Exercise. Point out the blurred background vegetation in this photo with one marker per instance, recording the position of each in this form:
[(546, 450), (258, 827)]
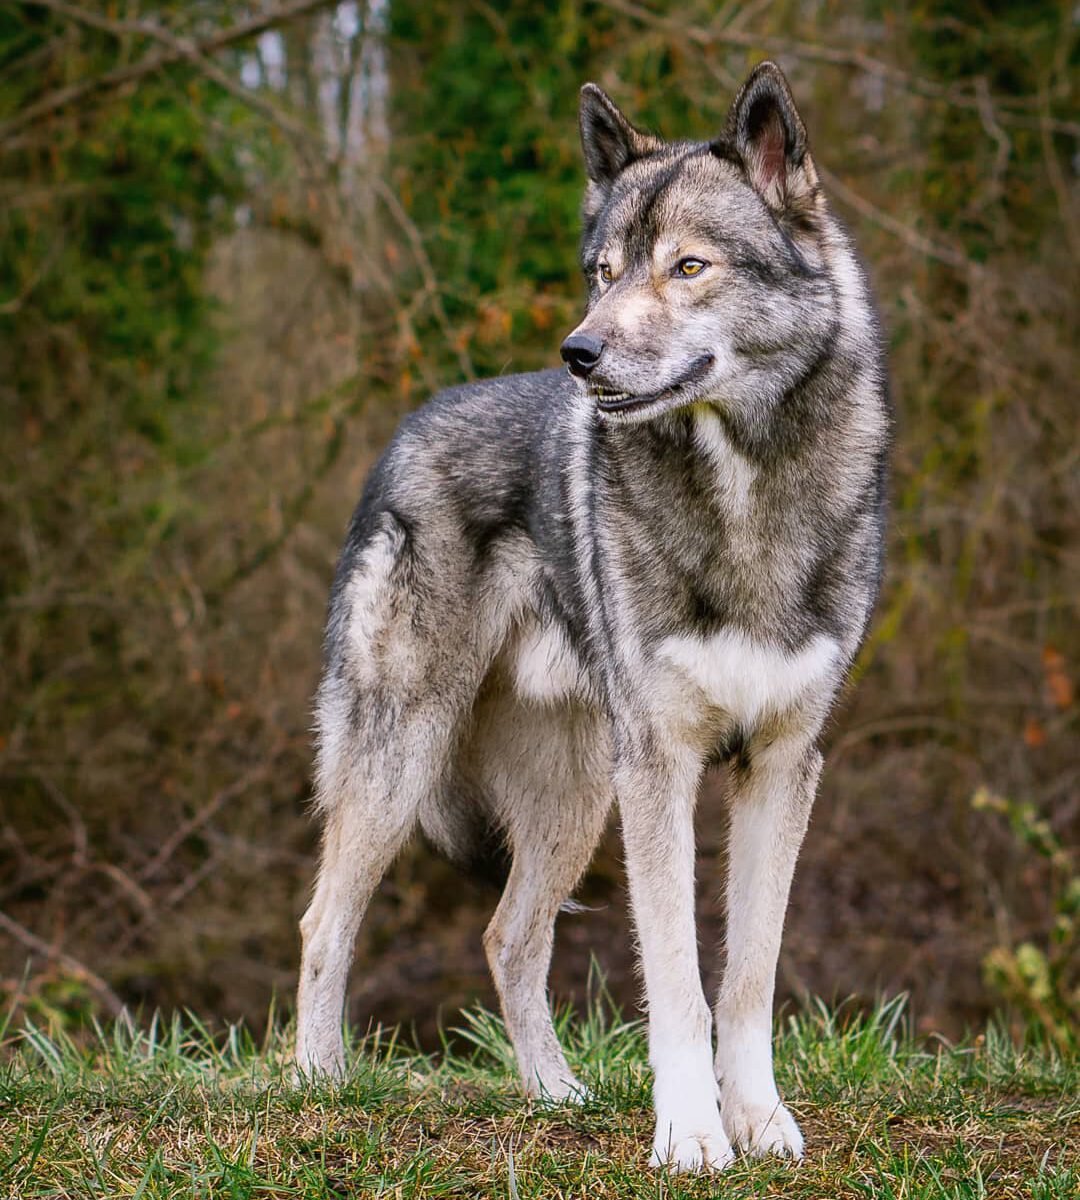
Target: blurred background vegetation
[(239, 240)]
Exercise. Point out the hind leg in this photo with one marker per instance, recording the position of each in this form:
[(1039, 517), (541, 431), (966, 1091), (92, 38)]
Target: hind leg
[(400, 676), (372, 802), (357, 849), (547, 772)]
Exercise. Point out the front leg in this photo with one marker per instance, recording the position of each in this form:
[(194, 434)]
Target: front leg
[(656, 803), (770, 806)]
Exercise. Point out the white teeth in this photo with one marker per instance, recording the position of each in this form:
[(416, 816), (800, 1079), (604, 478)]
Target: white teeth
[(603, 393)]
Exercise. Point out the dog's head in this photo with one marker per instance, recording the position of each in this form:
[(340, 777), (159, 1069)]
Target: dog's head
[(704, 260)]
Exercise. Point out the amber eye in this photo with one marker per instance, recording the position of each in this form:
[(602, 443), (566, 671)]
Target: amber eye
[(604, 271), (687, 267)]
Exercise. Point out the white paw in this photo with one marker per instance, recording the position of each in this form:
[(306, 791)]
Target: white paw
[(689, 1133), (691, 1149), (762, 1128)]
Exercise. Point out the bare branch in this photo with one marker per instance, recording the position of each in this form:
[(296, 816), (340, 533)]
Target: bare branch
[(214, 805), (987, 114), (193, 52), (40, 271), (174, 50), (77, 969), (1066, 205), (917, 241), (431, 283), (915, 84)]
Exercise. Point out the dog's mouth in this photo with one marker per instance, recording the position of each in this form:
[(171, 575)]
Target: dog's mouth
[(610, 400)]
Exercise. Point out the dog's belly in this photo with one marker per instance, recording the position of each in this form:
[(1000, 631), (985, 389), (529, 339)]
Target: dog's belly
[(746, 680)]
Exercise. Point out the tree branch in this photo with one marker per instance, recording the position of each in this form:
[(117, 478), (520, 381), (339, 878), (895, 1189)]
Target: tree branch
[(77, 969), (917, 241), (916, 84), (175, 49)]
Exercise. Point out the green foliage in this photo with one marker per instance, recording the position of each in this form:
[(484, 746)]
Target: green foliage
[(493, 136), (132, 279), (1041, 982), (986, 196), (121, 210), (110, 212), (486, 160), (106, 325)]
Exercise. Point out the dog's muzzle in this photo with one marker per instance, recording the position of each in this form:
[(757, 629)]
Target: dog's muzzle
[(611, 401)]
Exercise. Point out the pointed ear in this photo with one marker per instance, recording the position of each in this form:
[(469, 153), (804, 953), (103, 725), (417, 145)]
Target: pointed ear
[(768, 135), (610, 143)]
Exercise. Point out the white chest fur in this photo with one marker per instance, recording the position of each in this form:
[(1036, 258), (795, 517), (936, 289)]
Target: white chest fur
[(747, 679)]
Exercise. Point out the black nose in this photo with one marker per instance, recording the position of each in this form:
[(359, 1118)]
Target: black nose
[(581, 353)]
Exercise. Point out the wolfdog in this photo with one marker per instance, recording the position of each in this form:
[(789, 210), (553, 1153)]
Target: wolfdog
[(564, 591)]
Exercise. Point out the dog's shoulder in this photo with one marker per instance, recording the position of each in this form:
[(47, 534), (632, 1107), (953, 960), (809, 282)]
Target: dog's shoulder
[(469, 461)]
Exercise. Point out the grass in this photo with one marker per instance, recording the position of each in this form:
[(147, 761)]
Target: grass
[(171, 1110)]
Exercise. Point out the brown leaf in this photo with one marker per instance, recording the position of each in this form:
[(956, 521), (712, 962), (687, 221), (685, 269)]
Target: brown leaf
[(1058, 682), (1034, 734)]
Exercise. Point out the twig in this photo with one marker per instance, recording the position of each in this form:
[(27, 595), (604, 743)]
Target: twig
[(1065, 204), (40, 271), (878, 216), (77, 969), (988, 116), (80, 839), (916, 84), (183, 48), (431, 282), (58, 600), (154, 915), (294, 511), (194, 823), (127, 885), (174, 50)]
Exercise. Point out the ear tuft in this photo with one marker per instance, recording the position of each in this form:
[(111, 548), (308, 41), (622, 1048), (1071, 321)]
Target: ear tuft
[(766, 132), (609, 141)]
